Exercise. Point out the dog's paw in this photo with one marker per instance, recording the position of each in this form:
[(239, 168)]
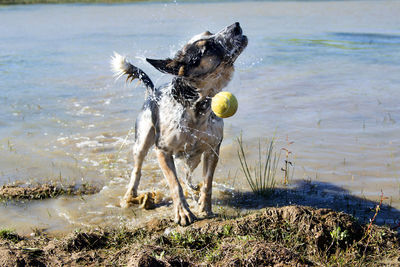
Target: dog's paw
[(205, 213), (183, 215), (146, 201), (125, 203), (128, 199), (205, 206)]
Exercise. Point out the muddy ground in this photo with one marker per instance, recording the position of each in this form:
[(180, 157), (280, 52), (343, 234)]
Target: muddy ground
[(285, 236), (18, 191)]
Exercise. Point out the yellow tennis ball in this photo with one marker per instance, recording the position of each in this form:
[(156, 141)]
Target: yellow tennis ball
[(224, 104)]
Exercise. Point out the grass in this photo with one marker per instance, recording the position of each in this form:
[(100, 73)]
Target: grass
[(9, 234), (260, 175), (288, 168)]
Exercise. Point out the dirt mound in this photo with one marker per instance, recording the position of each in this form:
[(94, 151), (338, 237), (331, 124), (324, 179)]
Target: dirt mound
[(145, 259), (80, 240), (259, 253), (15, 257), (287, 236)]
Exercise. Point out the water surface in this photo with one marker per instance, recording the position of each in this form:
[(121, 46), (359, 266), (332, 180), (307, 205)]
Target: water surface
[(322, 74)]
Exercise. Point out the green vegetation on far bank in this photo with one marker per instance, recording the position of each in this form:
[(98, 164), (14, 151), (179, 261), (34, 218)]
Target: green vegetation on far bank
[(27, 2)]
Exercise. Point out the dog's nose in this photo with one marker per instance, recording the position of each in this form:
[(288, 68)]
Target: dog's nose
[(235, 28), (238, 30)]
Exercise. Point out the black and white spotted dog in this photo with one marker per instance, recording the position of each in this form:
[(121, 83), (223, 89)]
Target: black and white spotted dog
[(177, 118)]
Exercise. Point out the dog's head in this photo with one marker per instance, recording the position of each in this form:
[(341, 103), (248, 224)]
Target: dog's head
[(206, 61)]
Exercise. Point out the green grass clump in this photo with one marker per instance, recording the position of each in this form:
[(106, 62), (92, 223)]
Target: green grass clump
[(260, 175), (9, 234)]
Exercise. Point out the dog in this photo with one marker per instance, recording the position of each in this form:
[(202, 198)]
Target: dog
[(177, 118)]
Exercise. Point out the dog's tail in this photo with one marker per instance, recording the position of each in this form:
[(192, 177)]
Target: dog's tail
[(121, 66)]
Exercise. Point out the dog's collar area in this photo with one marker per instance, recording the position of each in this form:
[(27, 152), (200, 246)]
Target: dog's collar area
[(188, 96), (184, 93)]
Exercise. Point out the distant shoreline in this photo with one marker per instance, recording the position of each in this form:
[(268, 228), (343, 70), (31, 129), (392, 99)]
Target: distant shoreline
[(29, 2)]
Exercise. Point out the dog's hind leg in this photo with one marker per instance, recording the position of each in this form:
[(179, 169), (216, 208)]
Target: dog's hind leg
[(145, 137), (191, 164), (210, 163), (183, 215)]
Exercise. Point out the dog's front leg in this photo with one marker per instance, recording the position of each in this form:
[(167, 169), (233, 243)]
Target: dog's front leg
[(210, 163), (145, 136), (183, 215)]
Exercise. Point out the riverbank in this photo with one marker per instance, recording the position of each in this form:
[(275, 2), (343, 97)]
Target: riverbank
[(286, 236)]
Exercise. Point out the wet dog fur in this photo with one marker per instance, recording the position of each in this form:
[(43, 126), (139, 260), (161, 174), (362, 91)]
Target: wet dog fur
[(177, 118)]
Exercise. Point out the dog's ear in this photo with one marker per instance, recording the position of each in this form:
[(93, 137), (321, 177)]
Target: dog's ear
[(167, 66)]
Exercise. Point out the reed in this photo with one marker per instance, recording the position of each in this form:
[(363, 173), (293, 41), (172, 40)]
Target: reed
[(261, 174), (288, 169)]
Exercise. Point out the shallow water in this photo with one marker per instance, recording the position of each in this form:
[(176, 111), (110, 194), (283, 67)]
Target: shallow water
[(322, 74)]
